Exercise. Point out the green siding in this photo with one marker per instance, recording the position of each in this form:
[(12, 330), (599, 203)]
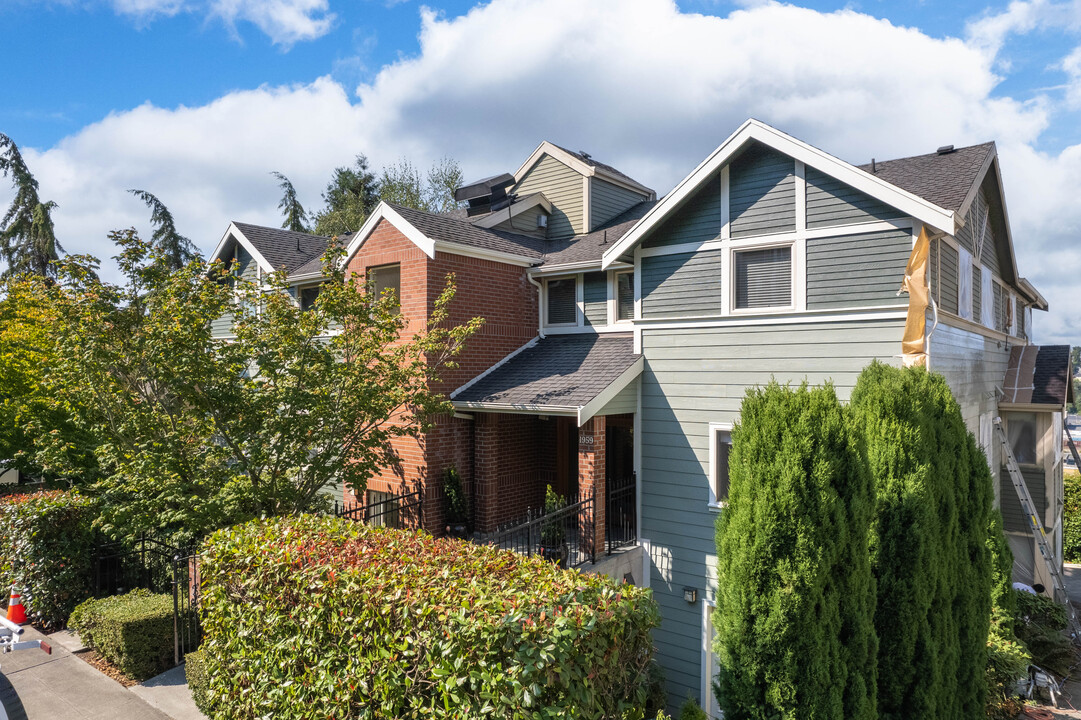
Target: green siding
[(948, 277), (244, 265), (1000, 307), (563, 187), (607, 200), (695, 376), (762, 192), (855, 270), (977, 213), (222, 327), (682, 285), (831, 202), (595, 298), (524, 223), (625, 401), (1013, 517), (699, 220)]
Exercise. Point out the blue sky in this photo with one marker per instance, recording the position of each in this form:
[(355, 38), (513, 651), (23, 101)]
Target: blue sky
[(198, 100)]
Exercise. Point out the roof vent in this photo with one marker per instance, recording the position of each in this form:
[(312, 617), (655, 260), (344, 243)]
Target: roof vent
[(485, 195), (945, 150), (585, 155)]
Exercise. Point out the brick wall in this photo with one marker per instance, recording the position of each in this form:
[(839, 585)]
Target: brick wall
[(499, 293), (591, 473)]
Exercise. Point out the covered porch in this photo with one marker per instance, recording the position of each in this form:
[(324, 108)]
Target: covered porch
[(560, 413)]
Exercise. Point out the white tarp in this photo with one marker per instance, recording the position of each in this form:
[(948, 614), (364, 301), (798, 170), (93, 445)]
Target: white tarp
[(987, 299), (964, 283)]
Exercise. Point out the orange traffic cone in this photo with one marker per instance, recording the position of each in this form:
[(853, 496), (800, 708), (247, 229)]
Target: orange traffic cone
[(16, 612)]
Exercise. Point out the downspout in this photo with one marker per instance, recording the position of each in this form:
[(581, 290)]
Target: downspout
[(540, 308)]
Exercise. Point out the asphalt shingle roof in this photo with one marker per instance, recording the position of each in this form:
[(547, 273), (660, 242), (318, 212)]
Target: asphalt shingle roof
[(591, 246), (1038, 375), (559, 371), (449, 229), (941, 179), (588, 160), (284, 248)]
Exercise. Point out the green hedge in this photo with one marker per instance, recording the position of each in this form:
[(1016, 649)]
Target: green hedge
[(46, 549), (929, 545), (132, 631), (321, 617), (795, 594), (1071, 522), (195, 674)]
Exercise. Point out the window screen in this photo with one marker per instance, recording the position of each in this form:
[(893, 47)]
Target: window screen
[(562, 307), (625, 296), (1021, 431), (386, 277), (764, 278), (722, 448)]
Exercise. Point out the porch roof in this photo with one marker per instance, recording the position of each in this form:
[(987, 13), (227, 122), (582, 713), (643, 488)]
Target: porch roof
[(1038, 375), (557, 375)]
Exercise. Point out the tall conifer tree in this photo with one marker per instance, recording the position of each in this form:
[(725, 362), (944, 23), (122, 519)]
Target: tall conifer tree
[(27, 238), (296, 219), (178, 250)]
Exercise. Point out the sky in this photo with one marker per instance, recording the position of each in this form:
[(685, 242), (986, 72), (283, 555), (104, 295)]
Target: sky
[(198, 101)]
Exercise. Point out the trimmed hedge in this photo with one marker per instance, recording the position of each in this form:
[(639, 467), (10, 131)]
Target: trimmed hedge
[(1071, 521), (325, 618), (46, 549), (795, 594), (195, 674), (132, 631), (929, 545)]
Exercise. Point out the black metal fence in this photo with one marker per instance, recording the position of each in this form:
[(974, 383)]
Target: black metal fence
[(565, 536), (397, 511), (187, 632), (621, 514)]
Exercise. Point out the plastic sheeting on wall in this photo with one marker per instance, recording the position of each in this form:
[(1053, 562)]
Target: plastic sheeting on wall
[(913, 350)]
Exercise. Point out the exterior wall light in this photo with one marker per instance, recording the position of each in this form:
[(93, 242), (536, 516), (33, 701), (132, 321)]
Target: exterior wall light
[(690, 594)]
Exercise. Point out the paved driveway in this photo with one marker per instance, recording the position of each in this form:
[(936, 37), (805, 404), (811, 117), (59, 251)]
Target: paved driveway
[(36, 686)]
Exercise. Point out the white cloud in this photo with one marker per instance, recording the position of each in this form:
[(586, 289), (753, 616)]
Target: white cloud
[(1071, 65), (635, 82), (285, 22)]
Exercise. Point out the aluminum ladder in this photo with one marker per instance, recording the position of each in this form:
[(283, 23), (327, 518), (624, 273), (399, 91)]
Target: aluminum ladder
[(1029, 510)]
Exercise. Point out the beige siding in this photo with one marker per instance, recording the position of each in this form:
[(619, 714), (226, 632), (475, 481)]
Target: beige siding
[(607, 200), (564, 188), (524, 223)]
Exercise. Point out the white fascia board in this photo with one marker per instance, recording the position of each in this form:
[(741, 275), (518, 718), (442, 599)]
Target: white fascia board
[(595, 405), (562, 410), (495, 367), (493, 219), (484, 254), (386, 212), (234, 232), (587, 170), (584, 265), (306, 277), (903, 200)]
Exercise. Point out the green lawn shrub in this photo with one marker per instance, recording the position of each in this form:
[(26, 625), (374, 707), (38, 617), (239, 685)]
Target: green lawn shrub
[(795, 598), (46, 549), (1071, 521), (132, 631), (1040, 623), (195, 674), (928, 545), (690, 710), (1007, 657), (315, 617)]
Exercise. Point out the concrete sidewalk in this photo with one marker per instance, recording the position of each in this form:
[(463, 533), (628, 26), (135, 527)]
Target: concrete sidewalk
[(1071, 578), (169, 693), (36, 686)]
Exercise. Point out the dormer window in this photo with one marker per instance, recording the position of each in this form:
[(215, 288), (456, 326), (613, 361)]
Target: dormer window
[(561, 304)]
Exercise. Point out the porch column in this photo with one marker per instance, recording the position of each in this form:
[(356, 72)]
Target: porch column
[(591, 472), (485, 469)]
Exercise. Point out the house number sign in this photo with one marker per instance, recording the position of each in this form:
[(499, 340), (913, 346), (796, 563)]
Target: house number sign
[(585, 439)]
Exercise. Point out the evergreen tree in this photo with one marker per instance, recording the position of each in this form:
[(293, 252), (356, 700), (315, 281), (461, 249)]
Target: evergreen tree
[(350, 197), (27, 238), (295, 217), (929, 545), (177, 249), (795, 593)]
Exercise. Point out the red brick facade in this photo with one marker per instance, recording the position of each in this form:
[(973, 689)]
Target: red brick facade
[(498, 292)]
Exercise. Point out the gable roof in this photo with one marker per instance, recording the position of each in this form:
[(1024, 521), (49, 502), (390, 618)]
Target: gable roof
[(591, 246), (273, 248), (754, 130), (945, 179), (583, 164), (561, 375), (1038, 375)]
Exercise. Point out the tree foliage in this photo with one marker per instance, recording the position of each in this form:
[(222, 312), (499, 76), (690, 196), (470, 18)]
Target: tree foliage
[(350, 197), (177, 249), (403, 184), (795, 594), (929, 545), (28, 241), (295, 218), (197, 433)]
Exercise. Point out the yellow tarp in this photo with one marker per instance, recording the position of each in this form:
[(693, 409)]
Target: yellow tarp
[(913, 351)]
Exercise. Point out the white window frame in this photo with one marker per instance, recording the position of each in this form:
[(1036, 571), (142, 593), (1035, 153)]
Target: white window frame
[(298, 289), (736, 246), (613, 297), (579, 302), (714, 428)]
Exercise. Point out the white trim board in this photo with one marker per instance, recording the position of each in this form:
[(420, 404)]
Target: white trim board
[(605, 396), (234, 232), (586, 170), (502, 215), (907, 202)]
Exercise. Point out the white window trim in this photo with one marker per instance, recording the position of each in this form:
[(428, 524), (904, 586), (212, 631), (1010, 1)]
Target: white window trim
[(715, 427), (613, 297), (795, 258), (579, 302), (708, 701)]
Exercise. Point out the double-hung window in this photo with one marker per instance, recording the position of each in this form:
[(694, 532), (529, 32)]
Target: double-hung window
[(624, 292), (762, 278), (720, 450)]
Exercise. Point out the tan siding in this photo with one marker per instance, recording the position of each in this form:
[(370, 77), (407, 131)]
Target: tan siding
[(607, 200), (524, 223), (564, 188)]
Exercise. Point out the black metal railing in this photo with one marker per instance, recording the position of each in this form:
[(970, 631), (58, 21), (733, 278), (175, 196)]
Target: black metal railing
[(621, 515), (187, 588), (397, 511), (564, 536)]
